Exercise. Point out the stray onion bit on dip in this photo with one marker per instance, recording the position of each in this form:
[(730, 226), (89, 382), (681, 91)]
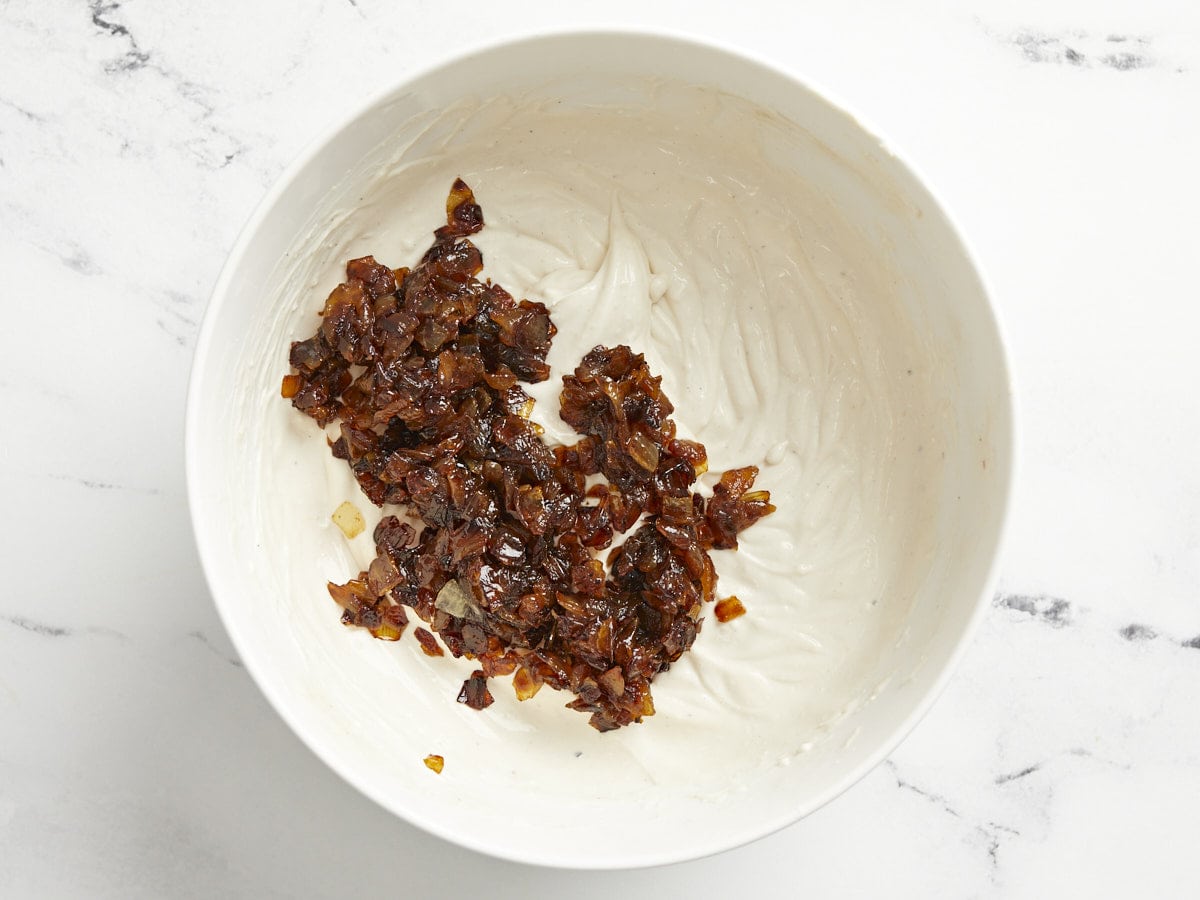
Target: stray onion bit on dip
[(349, 520), (729, 609), (420, 369), (435, 763)]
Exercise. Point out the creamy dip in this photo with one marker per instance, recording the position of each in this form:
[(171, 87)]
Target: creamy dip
[(771, 323)]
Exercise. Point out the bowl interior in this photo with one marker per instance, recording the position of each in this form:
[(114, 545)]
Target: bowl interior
[(812, 312)]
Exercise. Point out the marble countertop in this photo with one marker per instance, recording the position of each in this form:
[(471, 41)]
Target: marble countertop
[(137, 758)]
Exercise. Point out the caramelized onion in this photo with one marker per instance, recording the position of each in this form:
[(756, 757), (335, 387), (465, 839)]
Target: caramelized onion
[(421, 370)]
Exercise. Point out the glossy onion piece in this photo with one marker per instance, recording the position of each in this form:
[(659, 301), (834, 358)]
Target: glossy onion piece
[(475, 692), (435, 763), (728, 609), (734, 507)]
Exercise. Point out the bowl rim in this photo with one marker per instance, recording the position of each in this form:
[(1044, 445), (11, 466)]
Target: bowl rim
[(682, 38)]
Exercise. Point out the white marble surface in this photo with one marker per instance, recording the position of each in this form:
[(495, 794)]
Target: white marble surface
[(137, 759)]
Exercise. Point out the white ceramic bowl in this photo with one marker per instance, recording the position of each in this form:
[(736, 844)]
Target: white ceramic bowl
[(924, 473)]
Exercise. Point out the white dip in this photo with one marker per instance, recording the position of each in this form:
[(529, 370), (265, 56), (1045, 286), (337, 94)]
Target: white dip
[(771, 324)]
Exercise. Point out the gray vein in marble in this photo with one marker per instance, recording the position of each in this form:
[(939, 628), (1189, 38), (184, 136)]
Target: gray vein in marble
[(1053, 611), (136, 59), (176, 316), (1080, 49), (73, 257), (203, 639), (93, 485), (54, 631), (931, 797), (1014, 776), (69, 253), (24, 113), (1051, 762), (78, 260), (993, 848), (990, 832), (1084, 753), (134, 56), (26, 387), (1136, 632), (37, 627), (175, 321)]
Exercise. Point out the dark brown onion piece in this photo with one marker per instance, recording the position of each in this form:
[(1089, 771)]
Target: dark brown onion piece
[(428, 642), (734, 507), (475, 693), (377, 278), (463, 215)]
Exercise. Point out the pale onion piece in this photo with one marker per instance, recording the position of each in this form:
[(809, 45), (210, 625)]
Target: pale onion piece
[(349, 519), (454, 600), (647, 705)]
